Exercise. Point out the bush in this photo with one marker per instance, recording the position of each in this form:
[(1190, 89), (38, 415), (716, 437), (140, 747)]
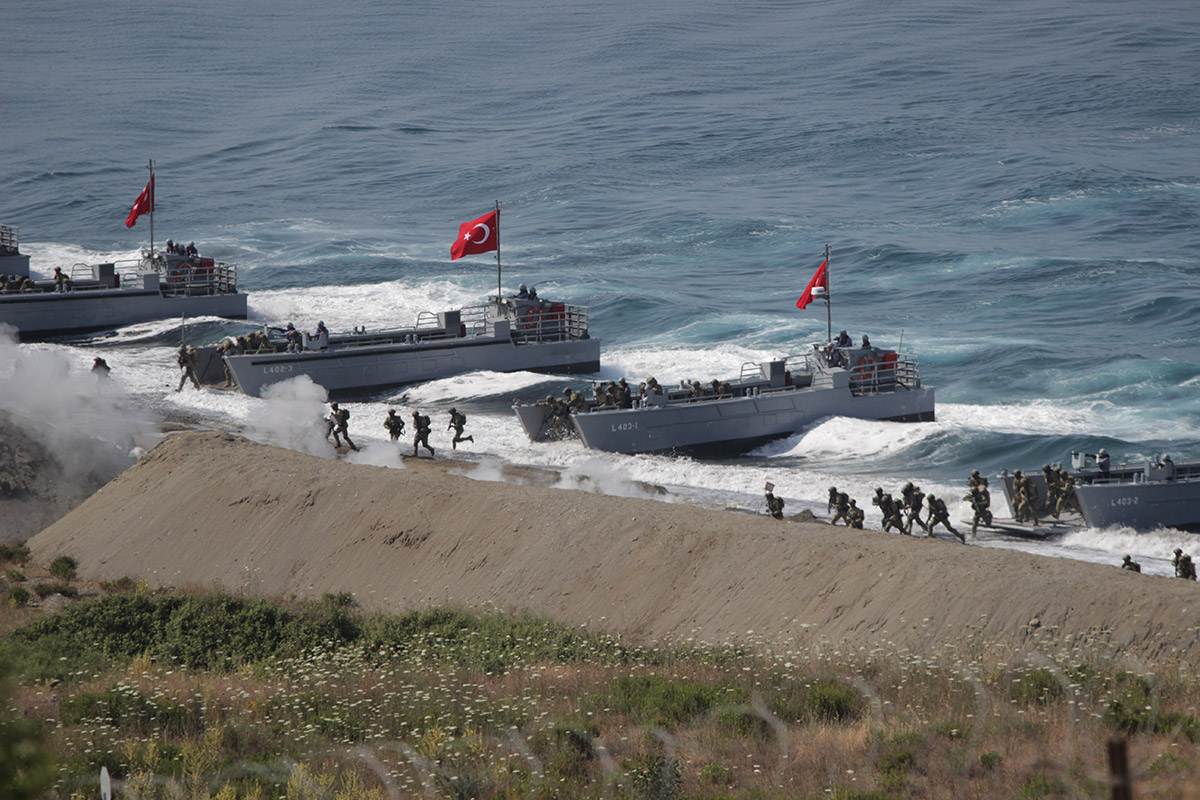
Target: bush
[(823, 700), (14, 575), (1038, 686), (64, 568), (14, 554), (18, 596), (43, 589), (657, 701), (124, 584)]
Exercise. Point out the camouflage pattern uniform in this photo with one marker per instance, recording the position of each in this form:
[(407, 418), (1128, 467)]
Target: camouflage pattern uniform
[(340, 417), (394, 425), (457, 421), (421, 428), (939, 515), (1130, 564), (843, 510), (856, 515), (187, 358), (981, 501), (833, 496), (774, 505)]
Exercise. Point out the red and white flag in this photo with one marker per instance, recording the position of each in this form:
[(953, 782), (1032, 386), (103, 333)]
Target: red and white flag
[(821, 279), (143, 205), (477, 236)]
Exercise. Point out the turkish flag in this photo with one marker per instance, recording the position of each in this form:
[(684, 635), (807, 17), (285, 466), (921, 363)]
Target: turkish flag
[(820, 279), (477, 236), (143, 205)]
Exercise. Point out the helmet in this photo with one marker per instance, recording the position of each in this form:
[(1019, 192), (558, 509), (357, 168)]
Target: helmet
[(415, 414), (454, 411), (1103, 452), (566, 390), (549, 397), (532, 288), (908, 485), (391, 411), (1178, 550), (1016, 473), (521, 288), (333, 405), (833, 488), (321, 324)]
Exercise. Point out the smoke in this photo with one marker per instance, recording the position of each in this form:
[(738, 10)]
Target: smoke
[(87, 421), (599, 476), (378, 454), (293, 418), (489, 469)]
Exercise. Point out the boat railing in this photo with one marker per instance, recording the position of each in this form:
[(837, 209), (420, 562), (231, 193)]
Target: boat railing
[(474, 320), (427, 319), (750, 371), (551, 322), (199, 279), (875, 376), (9, 243)]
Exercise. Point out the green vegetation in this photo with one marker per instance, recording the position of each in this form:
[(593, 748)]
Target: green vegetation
[(14, 554), (63, 568), (215, 696)]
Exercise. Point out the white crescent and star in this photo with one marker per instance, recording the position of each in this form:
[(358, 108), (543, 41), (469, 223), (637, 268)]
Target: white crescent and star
[(469, 237)]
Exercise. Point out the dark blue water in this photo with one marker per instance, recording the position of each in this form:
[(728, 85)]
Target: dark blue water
[(1013, 187)]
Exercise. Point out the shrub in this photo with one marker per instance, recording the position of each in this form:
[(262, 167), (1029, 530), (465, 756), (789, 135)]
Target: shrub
[(657, 701), (15, 575), (1039, 686), (18, 596), (823, 700), (989, 760), (123, 584), (63, 568), (655, 777), (14, 554), (43, 589)]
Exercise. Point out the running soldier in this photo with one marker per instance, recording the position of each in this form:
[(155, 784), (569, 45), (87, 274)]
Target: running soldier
[(188, 359), (843, 509), (1053, 489), (340, 417), (457, 421), (833, 497), (913, 501), (939, 515), (421, 427), (856, 515), (889, 509), (1184, 568), (1130, 564), (394, 425), (1067, 497)]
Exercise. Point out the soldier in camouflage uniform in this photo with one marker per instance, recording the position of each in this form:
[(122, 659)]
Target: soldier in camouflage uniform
[(394, 425), (981, 500), (856, 515), (457, 421), (913, 501), (188, 359), (833, 496), (843, 509), (421, 428), (340, 417), (774, 504), (938, 515), (889, 509), (1130, 564), (1066, 495), (575, 400)]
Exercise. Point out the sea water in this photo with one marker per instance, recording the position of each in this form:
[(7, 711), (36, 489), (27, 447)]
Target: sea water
[(1010, 191)]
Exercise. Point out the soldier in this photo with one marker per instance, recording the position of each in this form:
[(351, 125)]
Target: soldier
[(61, 282), (1030, 496), (697, 389), (624, 395), (575, 401), (1130, 564), (939, 515), (1052, 489), (421, 429), (457, 421), (652, 386), (1066, 495), (981, 501), (833, 496), (976, 480), (856, 515), (887, 506), (223, 349), (1184, 568), (340, 417), (914, 502), (556, 414), (100, 367), (295, 339), (774, 504), (187, 358), (394, 425), (843, 509)]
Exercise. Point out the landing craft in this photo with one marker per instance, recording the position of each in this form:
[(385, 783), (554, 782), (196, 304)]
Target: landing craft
[(769, 400)]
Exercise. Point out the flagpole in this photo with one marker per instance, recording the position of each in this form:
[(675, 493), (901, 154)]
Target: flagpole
[(151, 168), (828, 292), (499, 285)]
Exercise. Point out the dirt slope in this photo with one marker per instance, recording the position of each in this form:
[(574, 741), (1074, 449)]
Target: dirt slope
[(214, 509)]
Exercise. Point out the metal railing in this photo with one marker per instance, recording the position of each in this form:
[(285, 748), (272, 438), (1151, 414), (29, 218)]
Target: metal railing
[(553, 322), (8, 241), (875, 377)]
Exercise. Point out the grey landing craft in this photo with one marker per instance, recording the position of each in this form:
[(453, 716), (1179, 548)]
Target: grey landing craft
[(1143, 495), (768, 400), (504, 335), (98, 297)]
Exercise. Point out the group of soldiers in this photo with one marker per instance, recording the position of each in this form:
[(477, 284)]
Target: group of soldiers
[(17, 284), (1182, 562), (1060, 494), (715, 389), (422, 426), (898, 514)]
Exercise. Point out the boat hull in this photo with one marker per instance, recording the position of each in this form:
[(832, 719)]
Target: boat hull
[(719, 427), (47, 314), (372, 368), (1142, 506)]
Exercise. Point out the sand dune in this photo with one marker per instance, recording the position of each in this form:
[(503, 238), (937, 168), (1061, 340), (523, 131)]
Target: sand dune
[(215, 509)]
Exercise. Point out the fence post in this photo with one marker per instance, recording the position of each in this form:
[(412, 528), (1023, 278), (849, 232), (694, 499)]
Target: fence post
[(1118, 767)]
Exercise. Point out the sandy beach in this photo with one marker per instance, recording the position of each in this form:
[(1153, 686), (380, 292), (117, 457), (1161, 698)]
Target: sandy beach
[(214, 509)]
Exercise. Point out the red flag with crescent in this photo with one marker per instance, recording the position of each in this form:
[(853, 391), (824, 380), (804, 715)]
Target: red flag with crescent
[(477, 236), (143, 205), (820, 279)]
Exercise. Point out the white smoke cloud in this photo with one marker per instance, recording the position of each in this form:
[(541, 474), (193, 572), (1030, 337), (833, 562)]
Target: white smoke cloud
[(88, 422), (293, 418)]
